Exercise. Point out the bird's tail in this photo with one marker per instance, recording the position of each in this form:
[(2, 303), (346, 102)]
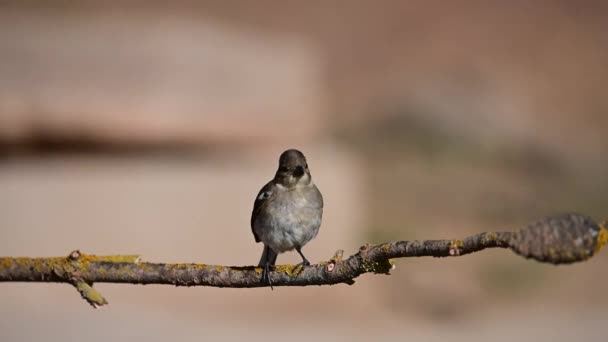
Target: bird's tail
[(269, 257)]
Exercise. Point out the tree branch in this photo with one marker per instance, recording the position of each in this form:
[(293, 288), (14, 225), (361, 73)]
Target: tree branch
[(558, 239)]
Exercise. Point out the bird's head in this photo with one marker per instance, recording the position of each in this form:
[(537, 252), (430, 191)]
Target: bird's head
[(293, 169)]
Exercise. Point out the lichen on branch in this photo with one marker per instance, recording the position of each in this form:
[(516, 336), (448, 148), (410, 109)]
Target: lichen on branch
[(557, 239)]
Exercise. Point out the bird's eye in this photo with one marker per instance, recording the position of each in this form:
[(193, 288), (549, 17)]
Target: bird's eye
[(264, 195), (283, 169)]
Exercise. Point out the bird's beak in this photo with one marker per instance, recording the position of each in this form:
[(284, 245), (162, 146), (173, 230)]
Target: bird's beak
[(298, 172)]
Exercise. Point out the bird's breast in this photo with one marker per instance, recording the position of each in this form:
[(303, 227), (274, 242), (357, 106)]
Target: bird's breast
[(291, 220)]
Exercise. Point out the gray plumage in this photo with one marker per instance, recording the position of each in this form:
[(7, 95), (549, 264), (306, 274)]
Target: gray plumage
[(287, 211)]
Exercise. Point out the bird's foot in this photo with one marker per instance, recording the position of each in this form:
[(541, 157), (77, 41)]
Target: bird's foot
[(303, 263), (266, 274), (298, 268)]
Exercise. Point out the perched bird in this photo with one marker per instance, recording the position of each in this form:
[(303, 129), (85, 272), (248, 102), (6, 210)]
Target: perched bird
[(287, 211)]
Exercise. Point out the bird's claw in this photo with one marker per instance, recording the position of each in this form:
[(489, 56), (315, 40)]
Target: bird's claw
[(266, 275)]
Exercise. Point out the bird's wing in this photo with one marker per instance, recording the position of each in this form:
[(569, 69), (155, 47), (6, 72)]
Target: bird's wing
[(263, 198), (317, 196)]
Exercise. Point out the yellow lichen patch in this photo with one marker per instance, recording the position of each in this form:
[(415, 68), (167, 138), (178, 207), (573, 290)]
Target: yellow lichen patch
[(111, 258), (258, 270), (290, 270), (199, 266), (120, 258), (491, 236), (55, 264), (90, 294), (219, 268), (205, 267), (23, 261), (602, 237), (7, 262)]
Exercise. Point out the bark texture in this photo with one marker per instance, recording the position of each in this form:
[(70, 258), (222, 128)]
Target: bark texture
[(558, 239)]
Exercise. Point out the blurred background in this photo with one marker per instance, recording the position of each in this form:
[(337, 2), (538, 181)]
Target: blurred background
[(148, 127)]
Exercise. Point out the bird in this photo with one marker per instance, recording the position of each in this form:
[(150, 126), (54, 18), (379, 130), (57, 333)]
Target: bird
[(287, 211)]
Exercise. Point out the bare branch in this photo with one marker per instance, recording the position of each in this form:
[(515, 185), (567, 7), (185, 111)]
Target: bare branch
[(559, 239)]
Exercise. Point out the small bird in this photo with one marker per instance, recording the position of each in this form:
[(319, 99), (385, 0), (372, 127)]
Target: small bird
[(287, 211)]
